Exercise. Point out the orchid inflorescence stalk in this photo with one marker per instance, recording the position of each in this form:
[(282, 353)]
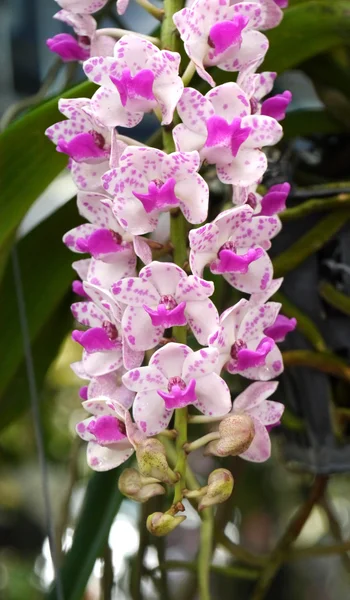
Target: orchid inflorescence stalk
[(129, 193)]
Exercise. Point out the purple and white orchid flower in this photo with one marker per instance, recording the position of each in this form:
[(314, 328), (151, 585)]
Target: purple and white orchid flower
[(176, 377)]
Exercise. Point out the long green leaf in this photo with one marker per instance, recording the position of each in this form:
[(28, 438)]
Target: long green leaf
[(46, 275), (29, 161), (101, 504), (306, 30), (310, 243)]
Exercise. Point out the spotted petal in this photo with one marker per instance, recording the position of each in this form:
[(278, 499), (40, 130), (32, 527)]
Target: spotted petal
[(214, 398), (150, 413), (105, 458)]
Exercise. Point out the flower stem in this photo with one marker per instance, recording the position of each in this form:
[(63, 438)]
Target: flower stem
[(321, 361), (188, 73), (198, 419), (203, 441), (314, 206), (205, 552), (180, 466), (232, 571), (117, 33), (335, 298), (280, 553), (157, 13)]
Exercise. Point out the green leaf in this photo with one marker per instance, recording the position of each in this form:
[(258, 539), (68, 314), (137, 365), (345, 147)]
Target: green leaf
[(15, 398), (308, 122), (46, 275), (306, 30), (101, 504), (310, 243), (29, 161)]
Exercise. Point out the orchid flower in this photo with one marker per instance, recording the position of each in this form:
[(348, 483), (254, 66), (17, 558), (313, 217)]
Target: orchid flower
[(264, 414), (82, 7), (222, 129), (258, 85), (224, 33), (104, 238), (109, 385), (273, 202), (242, 343), (149, 181), (138, 79), (105, 349), (108, 442), (176, 377), (164, 296), (235, 245)]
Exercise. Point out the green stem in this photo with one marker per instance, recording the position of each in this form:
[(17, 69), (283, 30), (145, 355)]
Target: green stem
[(321, 361), (203, 441), (316, 551), (205, 552), (239, 572), (240, 553), (157, 13), (180, 466), (279, 554), (198, 419), (168, 36), (314, 206), (310, 243), (188, 73), (335, 298), (305, 325)]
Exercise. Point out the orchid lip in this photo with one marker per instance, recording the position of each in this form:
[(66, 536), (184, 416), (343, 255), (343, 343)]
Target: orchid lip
[(107, 429), (180, 394), (160, 196), (164, 317), (131, 87), (230, 262)]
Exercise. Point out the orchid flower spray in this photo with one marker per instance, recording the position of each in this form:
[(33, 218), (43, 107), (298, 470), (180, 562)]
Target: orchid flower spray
[(174, 294)]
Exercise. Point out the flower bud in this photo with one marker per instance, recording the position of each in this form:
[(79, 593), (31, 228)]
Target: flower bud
[(130, 484), (236, 434), (152, 462), (160, 524), (220, 486)]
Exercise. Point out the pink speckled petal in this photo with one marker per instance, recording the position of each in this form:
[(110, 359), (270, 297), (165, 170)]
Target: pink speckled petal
[(164, 277), (187, 140), (229, 101), (145, 379), (105, 458), (200, 363), (88, 314), (194, 110), (193, 194), (260, 448), (193, 289), (108, 108), (138, 330), (254, 395), (170, 359), (265, 131), (111, 386), (82, 6), (213, 395), (100, 363), (122, 5), (135, 291), (203, 319), (246, 168), (91, 208), (257, 278), (132, 358), (142, 249), (88, 176), (149, 412), (83, 24)]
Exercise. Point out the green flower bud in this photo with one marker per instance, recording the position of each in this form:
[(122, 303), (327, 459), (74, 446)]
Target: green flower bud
[(160, 524), (219, 489), (236, 435), (130, 484), (152, 462)]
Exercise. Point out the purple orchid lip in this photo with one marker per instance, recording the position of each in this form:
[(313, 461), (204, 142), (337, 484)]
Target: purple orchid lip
[(160, 196), (139, 86), (95, 339), (246, 359), (225, 34), (107, 429), (226, 135), (180, 394), (67, 47), (164, 317), (230, 262), (274, 200), (82, 147), (281, 327), (276, 106), (100, 242), (78, 288)]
